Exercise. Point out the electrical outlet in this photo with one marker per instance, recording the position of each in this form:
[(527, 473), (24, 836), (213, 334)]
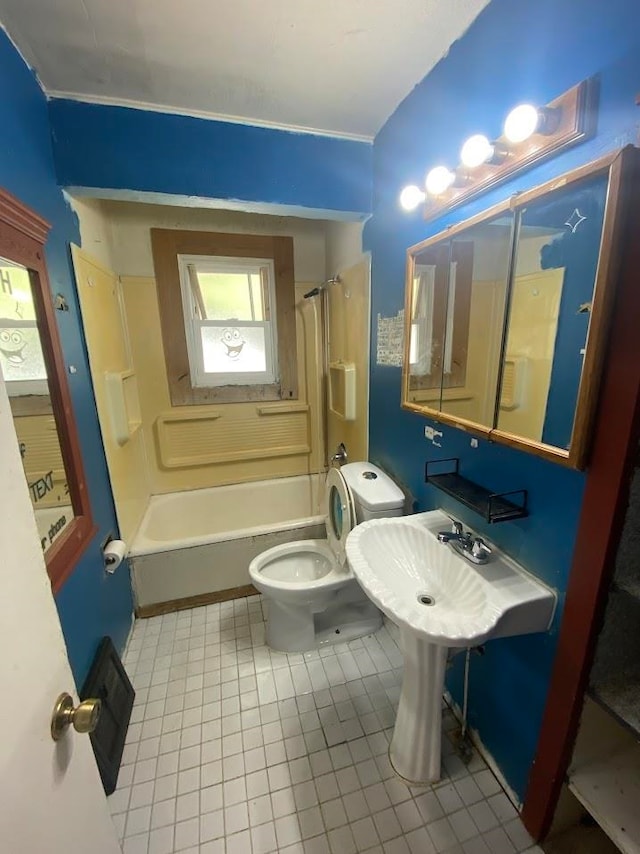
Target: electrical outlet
[(433, 435)]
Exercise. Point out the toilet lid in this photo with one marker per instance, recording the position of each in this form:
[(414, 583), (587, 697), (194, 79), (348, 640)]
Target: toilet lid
[(339, 512)]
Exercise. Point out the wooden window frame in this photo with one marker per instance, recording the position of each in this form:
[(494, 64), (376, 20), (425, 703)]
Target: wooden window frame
[(192, 298), (167, 245)]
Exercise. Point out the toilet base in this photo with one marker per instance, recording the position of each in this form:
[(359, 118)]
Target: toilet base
[(299, 630), (346, 623)]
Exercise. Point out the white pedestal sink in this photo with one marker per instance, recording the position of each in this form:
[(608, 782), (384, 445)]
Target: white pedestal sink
[(439, 600), (415, 747)]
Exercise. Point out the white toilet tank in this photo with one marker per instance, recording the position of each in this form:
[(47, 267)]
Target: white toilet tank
[(375, 495)]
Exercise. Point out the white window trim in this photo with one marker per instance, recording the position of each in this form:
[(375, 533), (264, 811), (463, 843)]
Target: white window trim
[(421, 343), (192, 325)]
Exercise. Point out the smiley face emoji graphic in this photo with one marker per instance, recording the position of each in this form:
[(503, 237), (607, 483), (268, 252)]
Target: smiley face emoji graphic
[(12, 343), (233, 341)]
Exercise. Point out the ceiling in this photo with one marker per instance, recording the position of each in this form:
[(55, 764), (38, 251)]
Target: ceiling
[(338, 66)]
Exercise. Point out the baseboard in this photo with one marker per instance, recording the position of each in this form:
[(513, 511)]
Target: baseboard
[(159, 608), (132, 623)]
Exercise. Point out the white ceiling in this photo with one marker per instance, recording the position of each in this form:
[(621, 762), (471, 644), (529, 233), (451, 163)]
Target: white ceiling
[(340, 66)]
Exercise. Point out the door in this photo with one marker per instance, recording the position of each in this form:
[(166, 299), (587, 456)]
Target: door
[(50, 793)]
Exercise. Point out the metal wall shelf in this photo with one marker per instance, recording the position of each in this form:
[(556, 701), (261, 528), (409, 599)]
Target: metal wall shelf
[(492, 506)]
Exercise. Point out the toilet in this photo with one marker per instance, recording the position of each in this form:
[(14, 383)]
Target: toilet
[(313, 597)]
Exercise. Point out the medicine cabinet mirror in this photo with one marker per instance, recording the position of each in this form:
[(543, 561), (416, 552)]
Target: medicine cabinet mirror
[(506, 313), (33, 370)]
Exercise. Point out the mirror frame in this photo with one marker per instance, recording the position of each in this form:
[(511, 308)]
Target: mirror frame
[(623, 169), (22, 238)]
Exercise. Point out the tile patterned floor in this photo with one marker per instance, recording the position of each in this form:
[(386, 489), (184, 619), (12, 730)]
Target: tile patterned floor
[(234, 748)]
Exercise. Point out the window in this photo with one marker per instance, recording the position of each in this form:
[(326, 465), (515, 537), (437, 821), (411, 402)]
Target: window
[(227, 313), (21, 357), (231, 335)]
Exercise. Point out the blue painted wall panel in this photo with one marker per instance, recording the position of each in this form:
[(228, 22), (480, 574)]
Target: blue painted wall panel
[(127, 149), (90, 604), (513, 52)]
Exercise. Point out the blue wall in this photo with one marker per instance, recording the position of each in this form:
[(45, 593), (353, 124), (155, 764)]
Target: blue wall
[(513, 52), (126, 149), (90, 603)]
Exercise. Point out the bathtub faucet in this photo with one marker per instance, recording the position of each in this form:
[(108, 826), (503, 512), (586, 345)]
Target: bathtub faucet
[(340, 455)]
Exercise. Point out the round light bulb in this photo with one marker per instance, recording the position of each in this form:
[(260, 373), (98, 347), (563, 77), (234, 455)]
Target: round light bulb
[(476, 151), (521, 123), (411, 197), (439, 180)]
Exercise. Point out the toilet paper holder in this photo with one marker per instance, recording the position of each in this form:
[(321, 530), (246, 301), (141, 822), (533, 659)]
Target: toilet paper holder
[(113, 553)]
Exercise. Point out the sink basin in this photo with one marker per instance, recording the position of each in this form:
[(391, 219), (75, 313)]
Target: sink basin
[(427, 588), (419, 584), (439, 600)]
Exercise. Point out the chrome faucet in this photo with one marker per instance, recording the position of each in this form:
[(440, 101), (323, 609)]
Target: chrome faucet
[(472, 548), (456, 532)]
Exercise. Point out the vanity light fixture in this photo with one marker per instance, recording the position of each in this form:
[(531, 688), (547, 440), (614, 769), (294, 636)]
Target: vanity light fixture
[(531, 133), (411, 197), (521, 123), (525, 120), (476, 151), (439, 179)]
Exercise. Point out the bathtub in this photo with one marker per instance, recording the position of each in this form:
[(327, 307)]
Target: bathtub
[(202, 541)]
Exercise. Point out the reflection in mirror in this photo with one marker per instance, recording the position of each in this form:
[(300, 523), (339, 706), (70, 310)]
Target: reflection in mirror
[(457, 301), (478, 277), (23, 367), (556, 262), (429, 281)]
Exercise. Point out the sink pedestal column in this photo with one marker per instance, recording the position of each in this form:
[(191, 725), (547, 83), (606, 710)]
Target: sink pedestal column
[(415, 746)]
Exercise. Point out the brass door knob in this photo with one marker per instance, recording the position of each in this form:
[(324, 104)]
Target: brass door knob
[(84, 717)]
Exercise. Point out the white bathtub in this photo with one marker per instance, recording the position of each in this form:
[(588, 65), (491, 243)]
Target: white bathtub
[(202, 541)]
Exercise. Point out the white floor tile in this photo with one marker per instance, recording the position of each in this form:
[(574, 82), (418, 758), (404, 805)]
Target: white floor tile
[(283, 803), (141, 795), (187, 833), (138, 820), (365, 834), (236, 818), (287, 830), (161, 840), (263, 838), (234, 747), (163, 813), (311, 822)]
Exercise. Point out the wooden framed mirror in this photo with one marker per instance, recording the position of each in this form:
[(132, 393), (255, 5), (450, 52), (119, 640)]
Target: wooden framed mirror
[(33, 369), (506, 313)]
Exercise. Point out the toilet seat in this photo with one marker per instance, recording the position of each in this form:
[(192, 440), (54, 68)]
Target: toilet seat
[(312, 564), (282, 569), (339, 512), (299, 563)]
